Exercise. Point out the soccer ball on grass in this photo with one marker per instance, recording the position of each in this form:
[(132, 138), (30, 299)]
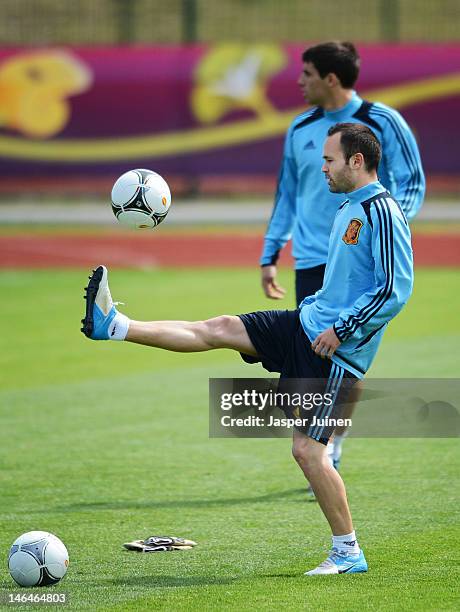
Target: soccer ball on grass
[(37, 558), (140, 199)]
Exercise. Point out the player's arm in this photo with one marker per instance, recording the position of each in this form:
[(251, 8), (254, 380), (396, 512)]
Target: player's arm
[(280, 225), (393, 269), (402, 159)]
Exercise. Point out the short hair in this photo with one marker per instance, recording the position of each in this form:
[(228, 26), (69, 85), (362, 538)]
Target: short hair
[(358, 138), (340, 58)]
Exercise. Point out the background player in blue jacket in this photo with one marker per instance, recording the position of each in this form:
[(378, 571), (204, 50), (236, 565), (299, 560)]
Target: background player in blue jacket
[(304, 208), (334, 336)]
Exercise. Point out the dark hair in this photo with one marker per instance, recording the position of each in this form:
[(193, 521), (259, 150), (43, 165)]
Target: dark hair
[(341, 58), (358, 138)]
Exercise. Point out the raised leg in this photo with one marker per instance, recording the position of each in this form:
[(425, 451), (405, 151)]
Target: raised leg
[(226, 331)]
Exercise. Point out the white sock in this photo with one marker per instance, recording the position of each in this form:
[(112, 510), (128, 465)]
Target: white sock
[(337, 450), (346, 543), (118, 328)]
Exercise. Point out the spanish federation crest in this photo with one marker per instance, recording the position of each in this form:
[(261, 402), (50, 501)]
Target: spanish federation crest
[(352, 232)]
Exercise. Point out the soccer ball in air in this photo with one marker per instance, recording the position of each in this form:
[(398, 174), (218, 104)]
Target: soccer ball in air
[(37, 558), (140, 199)]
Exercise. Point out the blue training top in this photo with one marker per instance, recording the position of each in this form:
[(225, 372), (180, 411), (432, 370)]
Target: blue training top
[(368, 278), (305, 208)]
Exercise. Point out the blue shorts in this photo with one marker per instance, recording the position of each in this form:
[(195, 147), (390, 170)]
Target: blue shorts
[(282, 346), (308, 281)]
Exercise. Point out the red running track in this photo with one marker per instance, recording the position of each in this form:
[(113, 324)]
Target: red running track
[(188, 250)]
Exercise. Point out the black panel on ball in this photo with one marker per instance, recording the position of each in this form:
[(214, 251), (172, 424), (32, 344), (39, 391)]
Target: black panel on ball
[(138, 205), (158, 218), (46, 578)]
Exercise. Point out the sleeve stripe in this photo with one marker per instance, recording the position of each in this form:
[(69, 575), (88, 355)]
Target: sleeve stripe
[(366, 313), (364, 114), (411, 160), (413, 187), (370, 336)]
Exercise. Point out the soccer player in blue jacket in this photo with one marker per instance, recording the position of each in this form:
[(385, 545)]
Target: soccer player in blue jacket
[(304, 208), (333, 336)]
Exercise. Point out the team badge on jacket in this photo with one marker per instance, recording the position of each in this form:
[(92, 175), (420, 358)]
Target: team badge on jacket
[(352, 232)]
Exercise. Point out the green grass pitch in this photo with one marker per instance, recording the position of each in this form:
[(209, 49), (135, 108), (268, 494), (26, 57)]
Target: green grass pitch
[(105, 442)]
